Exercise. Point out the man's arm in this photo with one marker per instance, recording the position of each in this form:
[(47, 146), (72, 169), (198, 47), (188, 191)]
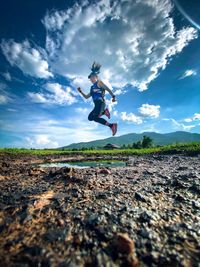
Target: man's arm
[(102, 85), (83, 94)]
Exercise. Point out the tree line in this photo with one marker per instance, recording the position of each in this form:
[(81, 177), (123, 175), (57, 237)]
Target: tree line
[(146, 142)]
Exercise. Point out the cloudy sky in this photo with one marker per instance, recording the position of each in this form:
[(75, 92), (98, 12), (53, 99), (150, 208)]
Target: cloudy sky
[(149, 52)]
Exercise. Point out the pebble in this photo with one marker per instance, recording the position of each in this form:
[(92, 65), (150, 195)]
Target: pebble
[(140, 197), (104, 171), (123, 243)]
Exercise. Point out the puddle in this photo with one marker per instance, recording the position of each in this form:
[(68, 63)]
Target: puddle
[(86, 164)]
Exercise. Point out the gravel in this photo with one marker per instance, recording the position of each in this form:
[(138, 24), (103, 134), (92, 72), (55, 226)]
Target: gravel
[(144, 214)]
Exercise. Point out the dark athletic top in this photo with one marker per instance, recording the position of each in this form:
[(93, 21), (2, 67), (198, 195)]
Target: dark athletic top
[(97, 92)]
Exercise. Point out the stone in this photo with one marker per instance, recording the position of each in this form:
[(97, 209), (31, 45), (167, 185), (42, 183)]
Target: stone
[(104, 171), (123, 243), (140, 197), (145, 216)]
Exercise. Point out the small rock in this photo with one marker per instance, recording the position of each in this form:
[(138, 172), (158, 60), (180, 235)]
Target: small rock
[(75, 192), (140, 197), (95, 219), (123, 244), (195, 188), (144, 233), (33, 250), (196, 204), (105, 171), (131, 261), (145, 217), (1, 177), (101, 195), (61, 222), (55, 235), (182, 168), (28, 218), (179, 197)]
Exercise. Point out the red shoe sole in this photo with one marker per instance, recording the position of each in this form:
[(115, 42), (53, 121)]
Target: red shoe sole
[(114, 130)]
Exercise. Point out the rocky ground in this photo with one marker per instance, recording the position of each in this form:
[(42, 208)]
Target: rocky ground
[(145, 214)]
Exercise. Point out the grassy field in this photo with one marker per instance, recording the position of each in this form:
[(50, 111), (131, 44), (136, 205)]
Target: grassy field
[(190, 149)]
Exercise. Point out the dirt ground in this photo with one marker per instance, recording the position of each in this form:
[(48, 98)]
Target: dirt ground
[(144, 214)]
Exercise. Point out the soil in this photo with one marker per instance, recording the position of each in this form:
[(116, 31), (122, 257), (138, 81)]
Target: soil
[(144, 214)]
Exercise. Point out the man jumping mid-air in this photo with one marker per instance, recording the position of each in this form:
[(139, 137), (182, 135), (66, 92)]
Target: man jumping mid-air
[(97, 92)]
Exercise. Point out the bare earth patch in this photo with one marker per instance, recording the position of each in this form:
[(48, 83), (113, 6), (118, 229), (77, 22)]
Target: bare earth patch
[(144, 214)]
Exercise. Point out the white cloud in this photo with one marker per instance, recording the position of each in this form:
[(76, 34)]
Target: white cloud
[(28, 59), (133, 40), (51, 122), (62, 94), (4, 96), (188, 73), (41, 141), (82, 111), (37, 97), (57, 94), (151, 111), (2, 86), (3, 99), (110, 104), (12, 109), (7, 76), (187, 127), (119, 91), (115, 113), (46, 132), (195, 117), (179, 126), (188, 120), (130, 117), (145, 111), (81, 81)]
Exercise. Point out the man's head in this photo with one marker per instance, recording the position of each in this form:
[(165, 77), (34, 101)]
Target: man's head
[(93, 77)]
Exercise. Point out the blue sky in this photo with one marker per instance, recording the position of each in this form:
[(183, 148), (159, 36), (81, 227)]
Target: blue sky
[(149, 51)]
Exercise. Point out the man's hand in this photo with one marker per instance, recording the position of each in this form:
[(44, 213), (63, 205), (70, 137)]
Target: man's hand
[(113, 98), (79, 89)]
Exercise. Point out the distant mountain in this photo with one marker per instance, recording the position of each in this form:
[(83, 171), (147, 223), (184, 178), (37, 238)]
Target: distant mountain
[(159, 139)]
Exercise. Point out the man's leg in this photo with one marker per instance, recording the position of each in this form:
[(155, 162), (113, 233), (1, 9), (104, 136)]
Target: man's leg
[(91, 116), (106, 112), (98, 111), (99, 108)]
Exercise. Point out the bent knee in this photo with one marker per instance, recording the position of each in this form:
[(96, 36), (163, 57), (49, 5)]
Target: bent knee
[(90, 118)]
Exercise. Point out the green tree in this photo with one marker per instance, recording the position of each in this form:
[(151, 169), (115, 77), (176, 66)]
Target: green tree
[(147, 141), (137, 145)]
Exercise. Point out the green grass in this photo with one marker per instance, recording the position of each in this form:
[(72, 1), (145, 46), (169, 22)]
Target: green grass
[(33, 151), (186, 148)]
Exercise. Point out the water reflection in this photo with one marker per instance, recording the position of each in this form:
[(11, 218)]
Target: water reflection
[(86, 164)]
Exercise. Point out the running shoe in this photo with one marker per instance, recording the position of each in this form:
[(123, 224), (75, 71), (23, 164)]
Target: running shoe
[(114, 128)]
